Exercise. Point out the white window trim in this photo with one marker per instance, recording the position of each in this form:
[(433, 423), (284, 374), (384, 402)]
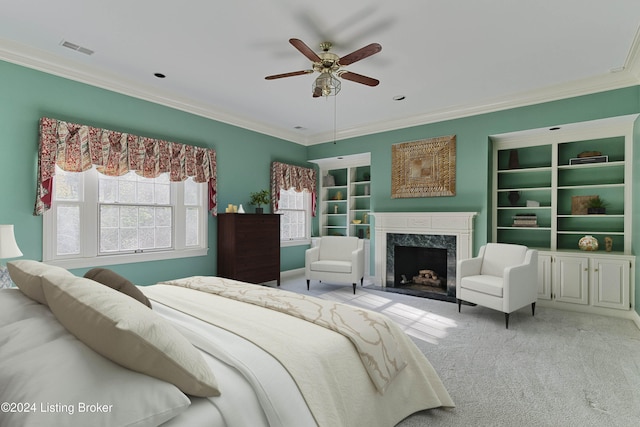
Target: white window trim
[(306, 241), (88, 256)]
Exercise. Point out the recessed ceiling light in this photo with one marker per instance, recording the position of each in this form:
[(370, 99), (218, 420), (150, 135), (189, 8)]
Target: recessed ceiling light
[(159, 75), (398, 97)]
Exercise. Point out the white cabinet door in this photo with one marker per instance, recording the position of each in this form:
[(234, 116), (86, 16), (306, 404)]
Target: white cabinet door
[(544, 276), (571, 279), (610, 279)]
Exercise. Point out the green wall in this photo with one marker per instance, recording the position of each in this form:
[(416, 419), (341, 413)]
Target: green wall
[(26, 95), (473, 157)]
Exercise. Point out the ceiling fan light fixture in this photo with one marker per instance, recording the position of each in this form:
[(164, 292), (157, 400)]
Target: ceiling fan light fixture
[(326, 85)]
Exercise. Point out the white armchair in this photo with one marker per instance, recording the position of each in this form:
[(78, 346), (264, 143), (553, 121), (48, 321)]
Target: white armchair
[(336, 259), (503, 277)]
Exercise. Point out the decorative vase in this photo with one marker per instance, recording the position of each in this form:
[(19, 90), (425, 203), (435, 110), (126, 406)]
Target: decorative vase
[(514, 196), (328, 181), (588, 243), (240, 209), (514, 162)]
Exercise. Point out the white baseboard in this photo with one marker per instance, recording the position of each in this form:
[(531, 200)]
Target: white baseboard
[(290, 273), (636, 318)]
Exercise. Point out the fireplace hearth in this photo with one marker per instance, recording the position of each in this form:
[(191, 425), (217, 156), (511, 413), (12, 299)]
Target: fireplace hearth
[(436, 241)]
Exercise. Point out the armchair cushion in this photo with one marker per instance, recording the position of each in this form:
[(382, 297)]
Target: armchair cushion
[(337, 247), (497, 257), (490, 285), (332, 266)]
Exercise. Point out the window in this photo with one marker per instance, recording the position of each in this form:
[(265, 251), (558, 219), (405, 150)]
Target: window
[(100, 220), (295, 224)]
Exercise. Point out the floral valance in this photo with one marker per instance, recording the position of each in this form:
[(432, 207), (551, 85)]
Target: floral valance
[(76, 148), (284, 176)]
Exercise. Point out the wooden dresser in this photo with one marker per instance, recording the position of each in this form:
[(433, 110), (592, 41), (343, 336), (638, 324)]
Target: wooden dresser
[(249, 247)]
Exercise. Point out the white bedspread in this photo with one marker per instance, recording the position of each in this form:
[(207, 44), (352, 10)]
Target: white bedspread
[(325, 365), (369, 331), (256, 390)]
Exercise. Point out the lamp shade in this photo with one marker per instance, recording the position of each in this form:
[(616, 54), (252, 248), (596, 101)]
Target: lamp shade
[(8, 246)]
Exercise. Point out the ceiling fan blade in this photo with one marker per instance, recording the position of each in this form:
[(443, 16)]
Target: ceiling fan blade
[(305, 50), (359, 78), (317, 92), (295, 73), (359, 54)]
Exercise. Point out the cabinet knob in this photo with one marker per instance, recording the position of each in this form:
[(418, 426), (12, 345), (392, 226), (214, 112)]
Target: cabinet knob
[(595, 269), (586, 269)]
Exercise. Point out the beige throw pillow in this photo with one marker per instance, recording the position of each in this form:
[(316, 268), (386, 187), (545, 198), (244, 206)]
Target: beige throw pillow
[(27, 275), (128, 333)]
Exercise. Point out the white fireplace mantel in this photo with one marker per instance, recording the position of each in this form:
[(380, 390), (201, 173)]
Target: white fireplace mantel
[(459, 224)]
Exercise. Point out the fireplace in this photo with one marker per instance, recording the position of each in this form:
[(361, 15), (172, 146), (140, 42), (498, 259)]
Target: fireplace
[(420, 268), (434, 255), (417, 253)]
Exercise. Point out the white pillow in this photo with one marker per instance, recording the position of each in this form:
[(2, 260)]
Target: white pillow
[(44, 366), (128, 333), (27, 275)]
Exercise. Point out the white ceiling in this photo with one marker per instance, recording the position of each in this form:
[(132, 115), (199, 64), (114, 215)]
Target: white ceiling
[(449, 58)]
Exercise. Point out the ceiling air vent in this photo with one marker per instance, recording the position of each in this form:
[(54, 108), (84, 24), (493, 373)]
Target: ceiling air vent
[(76, 47)]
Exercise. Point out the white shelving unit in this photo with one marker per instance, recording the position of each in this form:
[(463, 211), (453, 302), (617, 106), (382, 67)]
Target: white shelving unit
[(600, 281), (348, 199)]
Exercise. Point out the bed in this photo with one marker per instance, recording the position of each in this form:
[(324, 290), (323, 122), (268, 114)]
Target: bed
[(199, 351)]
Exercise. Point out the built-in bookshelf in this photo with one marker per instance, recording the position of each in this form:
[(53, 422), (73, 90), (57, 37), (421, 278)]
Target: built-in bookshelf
[(345, 195), (539, 173), (544, 181)]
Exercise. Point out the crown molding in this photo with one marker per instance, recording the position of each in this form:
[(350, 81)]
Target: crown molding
[(43, 61), (610, 81), (39, 60), (632, 63)]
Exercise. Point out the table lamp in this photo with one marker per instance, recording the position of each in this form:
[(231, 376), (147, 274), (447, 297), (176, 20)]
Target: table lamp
[(8, 249)]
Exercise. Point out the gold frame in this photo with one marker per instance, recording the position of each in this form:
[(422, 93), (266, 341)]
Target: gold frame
[(425, 168)]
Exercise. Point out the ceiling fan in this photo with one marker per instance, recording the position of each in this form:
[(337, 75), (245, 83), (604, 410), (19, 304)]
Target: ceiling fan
[(329, 65)]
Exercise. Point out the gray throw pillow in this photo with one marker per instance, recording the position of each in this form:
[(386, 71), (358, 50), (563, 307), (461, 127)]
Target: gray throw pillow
[(114, 280)]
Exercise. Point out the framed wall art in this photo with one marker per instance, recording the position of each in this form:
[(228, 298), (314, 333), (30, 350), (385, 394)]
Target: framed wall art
[(425, 168)]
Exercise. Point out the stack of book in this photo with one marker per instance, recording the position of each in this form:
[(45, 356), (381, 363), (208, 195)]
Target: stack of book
[(525, 220)]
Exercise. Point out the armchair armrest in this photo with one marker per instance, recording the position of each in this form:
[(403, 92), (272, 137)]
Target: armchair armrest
[(357, 260), (522, 280), (312, 254), (469, 267)]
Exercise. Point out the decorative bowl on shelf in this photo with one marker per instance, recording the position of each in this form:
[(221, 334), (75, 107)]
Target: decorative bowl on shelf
[(588, 243), (356, 221)]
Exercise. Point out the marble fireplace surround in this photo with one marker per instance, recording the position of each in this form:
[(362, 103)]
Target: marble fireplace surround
[(458, 224)]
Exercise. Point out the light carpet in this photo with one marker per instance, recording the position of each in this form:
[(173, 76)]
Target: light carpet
[(558, 368)]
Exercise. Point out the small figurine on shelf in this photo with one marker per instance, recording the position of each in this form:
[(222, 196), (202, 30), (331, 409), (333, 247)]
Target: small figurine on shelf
[(608, 244), (335, 209)]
